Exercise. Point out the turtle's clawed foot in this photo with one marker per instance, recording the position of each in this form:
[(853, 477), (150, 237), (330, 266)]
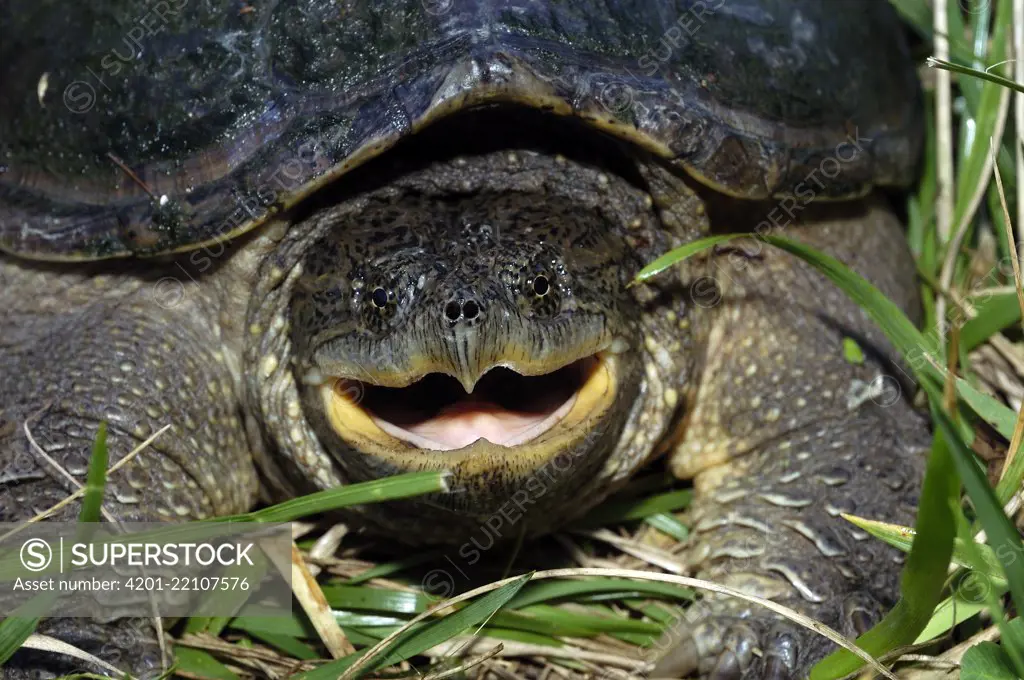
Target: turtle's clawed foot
[(733, 648), (724, 639)]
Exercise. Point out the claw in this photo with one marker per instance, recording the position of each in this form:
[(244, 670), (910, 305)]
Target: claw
[(742, 640), (780, 656), (724, 647), (776, 669), (861, 621)]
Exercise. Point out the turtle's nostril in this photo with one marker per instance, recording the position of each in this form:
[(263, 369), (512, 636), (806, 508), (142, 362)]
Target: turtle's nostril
[(462, 310), (453, 311)]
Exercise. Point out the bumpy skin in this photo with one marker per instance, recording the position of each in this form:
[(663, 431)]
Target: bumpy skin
[(742, 381)]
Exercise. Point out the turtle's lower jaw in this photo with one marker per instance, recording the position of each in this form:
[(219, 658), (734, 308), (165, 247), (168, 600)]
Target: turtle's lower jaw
[(505, 413)]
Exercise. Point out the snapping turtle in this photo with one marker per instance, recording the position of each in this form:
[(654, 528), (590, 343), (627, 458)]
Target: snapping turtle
[(332, 241)]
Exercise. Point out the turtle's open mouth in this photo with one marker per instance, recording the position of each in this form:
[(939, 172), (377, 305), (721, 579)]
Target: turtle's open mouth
[(506, 408)]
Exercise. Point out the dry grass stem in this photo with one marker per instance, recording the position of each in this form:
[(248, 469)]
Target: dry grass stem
[(465, 644), (325, 546), (650, 555), (46, 643), (1018, 75), (311, 599), (458, 669), (1018, 427), (950, 658), (267, 660), (944, 125)]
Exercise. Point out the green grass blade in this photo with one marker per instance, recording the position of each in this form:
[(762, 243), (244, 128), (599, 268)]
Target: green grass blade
[(681, 253), (975, 149), (95, 478), (1002, 536), (389, 568), (521, 636), (921, 582), (250, 620), (376, 491), (528, 614), (200, 664), (975, 73), (374, 599), (890, 318), (669, 525), (986, 661), (951, 612), (988, 48), (554, 590), (901, 537), (988, 593), (291, 646), (206, 624), (556, 619), (990, 409), (995, 213), (994, 313), (367, 636), (346, 619), (14, 630), (970, 89), (907, 339), (919, 351), (425, 635), (998, 51), (636, 508)]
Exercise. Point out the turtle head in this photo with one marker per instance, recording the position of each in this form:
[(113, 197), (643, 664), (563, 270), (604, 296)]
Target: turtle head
[(486, 331), (480, 334)]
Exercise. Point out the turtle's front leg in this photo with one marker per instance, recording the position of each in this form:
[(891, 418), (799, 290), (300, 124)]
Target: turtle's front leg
[(76, 350), (786, 432)]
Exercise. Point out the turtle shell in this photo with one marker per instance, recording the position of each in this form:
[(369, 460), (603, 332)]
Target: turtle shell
[(134, 127)]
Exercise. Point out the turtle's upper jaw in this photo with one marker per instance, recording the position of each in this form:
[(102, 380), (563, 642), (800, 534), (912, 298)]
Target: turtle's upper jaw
[(504, 410)]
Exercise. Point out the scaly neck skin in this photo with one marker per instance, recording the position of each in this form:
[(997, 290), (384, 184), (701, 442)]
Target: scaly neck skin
[(493, 270)]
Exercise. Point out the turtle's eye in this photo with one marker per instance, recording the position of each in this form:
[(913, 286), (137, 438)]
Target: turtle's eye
[(540, 295), (540, 285), (379, 298), (381, 305)]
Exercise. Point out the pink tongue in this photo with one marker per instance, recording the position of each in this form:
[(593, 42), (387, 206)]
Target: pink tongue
[(462, 423)]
